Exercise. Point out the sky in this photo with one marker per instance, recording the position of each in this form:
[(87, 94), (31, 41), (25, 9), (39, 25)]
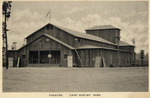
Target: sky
[(130, 16)]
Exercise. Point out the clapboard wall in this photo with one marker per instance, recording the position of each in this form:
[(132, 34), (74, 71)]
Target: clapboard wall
[(41, 44), (88, 57), (108, 34), (127, 48)]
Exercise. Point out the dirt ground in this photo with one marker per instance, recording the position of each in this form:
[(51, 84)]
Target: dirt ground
[(47, 79)]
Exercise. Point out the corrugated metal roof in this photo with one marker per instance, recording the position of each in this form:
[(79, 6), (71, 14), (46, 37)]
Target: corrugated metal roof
[(102, 27), (84, 35), (122, 43), (59, 41)]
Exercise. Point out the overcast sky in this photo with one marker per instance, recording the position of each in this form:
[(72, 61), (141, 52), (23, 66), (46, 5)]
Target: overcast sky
[(130, 17)]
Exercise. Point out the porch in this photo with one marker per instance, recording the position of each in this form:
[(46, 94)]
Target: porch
[(46, 58)]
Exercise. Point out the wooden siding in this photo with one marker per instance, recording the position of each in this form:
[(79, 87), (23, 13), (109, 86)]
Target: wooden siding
[(23, 60), (112, 57), (88, 57), (127, 48), (57, 33), (107, 34), (42, 45), (13, 54)]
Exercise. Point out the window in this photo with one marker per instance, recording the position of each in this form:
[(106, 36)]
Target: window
[(47, 27), (23, 56), (65, 55), (41, 39), (78, 39), (47, 39), (51, 27)]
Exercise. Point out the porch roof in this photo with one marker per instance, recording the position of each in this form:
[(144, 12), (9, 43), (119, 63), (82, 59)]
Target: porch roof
[(122, 43), (96, 47)]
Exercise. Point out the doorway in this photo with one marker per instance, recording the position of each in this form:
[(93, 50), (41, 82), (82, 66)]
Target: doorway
[(44, 57)]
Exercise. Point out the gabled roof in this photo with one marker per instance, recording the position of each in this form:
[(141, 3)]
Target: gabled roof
[(51, 37), (122, 43), (84, 35), (101, 27), (37, 31), (78, 34)]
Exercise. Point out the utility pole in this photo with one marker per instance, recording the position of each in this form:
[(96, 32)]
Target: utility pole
[(6, 13), (118, 40), (118, 51), (134, 61)]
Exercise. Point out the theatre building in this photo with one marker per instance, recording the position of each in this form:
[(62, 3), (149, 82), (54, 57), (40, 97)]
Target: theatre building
[(55, 46)]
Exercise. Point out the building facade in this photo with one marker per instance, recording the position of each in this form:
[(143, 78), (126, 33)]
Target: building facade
[(55, 46)]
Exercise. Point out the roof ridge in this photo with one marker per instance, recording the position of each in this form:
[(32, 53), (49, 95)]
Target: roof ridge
[(37, 30), (78, 32), (99, 27)]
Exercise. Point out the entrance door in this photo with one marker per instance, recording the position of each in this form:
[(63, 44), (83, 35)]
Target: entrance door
[(100, 62), (97, 61), (69, 61), (49, 57), (10, 63)]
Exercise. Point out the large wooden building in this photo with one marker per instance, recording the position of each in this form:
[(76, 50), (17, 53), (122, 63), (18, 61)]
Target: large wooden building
[(57, 46)]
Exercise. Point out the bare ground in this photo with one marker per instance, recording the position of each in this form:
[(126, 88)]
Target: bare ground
[(29, 79)]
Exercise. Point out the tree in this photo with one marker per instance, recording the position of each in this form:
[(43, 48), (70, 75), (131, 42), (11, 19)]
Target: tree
[(6, 12), (142, 56)]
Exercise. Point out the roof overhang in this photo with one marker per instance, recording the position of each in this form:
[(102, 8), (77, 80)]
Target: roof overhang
[(96, 47)]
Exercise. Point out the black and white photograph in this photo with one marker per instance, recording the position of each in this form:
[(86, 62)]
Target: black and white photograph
[(75, 46)]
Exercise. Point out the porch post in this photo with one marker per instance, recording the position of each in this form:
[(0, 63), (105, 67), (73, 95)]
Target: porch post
[(38, 57)]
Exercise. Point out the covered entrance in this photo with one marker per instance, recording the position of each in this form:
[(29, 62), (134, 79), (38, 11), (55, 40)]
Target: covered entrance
[(42, 58)]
